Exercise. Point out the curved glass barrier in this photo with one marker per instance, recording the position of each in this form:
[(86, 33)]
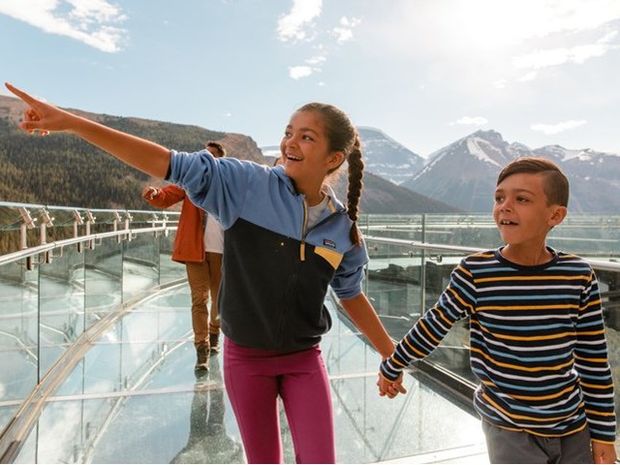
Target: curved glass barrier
[(139, 372), (49, 298), (134, 397)]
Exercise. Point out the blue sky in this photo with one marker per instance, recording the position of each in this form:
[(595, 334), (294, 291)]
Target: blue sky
[(426, 72)]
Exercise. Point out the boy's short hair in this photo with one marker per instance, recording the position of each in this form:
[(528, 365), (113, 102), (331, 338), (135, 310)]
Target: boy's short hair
[(217, 146), (555, 183)]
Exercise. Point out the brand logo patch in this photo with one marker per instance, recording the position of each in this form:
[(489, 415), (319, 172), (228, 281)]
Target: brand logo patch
[(329, 243)]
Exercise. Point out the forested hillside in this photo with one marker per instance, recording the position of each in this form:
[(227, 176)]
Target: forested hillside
[(63, 170)]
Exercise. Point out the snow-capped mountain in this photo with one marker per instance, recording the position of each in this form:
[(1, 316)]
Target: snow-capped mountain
[(463, 174), (387, 158), (594, 177), (465, 171), (383, 156)]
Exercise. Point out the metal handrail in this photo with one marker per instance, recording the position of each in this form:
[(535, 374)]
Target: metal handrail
[(597, 264), (35, 250)]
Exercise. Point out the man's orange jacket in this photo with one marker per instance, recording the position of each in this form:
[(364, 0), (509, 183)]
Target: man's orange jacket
[(189, 243)]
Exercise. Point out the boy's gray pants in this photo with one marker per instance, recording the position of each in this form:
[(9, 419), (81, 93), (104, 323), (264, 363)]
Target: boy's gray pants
[(506, 446)]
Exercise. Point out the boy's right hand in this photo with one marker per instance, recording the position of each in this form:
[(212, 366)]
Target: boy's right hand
[(390, 388), (150, 192)]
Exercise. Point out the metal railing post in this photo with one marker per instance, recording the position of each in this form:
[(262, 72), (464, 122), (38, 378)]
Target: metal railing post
[(423, 269)]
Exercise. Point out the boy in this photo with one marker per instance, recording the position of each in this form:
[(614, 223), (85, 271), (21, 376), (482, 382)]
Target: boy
[(537, 335)]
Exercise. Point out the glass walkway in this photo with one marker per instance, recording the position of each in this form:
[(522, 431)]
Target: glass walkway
[(97, 357)]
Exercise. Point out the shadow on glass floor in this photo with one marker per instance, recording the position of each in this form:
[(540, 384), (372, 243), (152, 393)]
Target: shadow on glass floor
[(134, 398)]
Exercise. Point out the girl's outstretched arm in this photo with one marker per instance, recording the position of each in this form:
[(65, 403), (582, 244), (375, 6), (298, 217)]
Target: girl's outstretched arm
[(149, 157)]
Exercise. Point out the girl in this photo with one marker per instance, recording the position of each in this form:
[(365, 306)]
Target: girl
[(286, 239)]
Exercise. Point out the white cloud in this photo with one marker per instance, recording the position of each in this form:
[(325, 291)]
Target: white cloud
[(607, 37), (92, 22), (500, 84), (292, 26), (315, 60), (550, 129), (529, 76), (559, 56), (298, 72), (470, 121), (344, 32)]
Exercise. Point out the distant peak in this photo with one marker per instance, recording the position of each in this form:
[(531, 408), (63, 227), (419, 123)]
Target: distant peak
[(489, 134), (362, 129)]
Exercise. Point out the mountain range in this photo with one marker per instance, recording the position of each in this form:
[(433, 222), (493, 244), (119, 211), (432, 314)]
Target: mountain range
[(464, 173), (63, 170)]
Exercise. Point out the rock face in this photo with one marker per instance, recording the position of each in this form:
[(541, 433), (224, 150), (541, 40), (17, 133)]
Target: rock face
[(241, 146)]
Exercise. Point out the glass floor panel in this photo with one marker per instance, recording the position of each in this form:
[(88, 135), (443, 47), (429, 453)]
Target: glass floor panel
[(134, 398)]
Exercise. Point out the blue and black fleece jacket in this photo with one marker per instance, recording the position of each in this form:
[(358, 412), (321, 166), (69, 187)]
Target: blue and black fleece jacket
[(275, 272)]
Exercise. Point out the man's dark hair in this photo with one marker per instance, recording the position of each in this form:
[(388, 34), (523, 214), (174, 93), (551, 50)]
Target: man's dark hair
[(217, 146)]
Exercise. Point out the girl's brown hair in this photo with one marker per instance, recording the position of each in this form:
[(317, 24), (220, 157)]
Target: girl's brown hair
[(343, 137)]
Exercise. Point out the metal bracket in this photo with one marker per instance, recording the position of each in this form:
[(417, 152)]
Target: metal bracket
[(27, 223), (90, 219), (128, 219), (77, 220), (154, 221), (117, 220), (46, 222)]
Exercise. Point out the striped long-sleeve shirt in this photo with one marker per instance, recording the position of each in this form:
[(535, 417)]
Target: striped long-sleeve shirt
[(537, 343)]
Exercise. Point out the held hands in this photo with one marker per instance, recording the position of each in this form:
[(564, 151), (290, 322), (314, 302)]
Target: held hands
[(603, 453), (390, 388), (41, 117)]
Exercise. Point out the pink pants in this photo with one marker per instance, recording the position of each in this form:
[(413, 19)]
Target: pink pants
[(254, 378)]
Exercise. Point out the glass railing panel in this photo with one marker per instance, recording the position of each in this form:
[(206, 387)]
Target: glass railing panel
[(590, 236), (19, 322), (346, 353), (103, 278), (462, 230), (140, 265), (61, 305), (393, 285), (406, 227), (12, 217), (184, 418), (453, 352), (169, 270), (609, 285), (67, 223), (404, 282)]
